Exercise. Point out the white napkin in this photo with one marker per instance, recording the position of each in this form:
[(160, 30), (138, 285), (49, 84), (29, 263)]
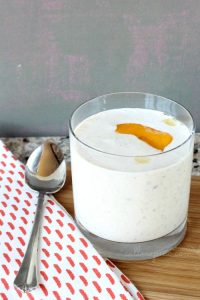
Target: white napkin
[(69, 266)]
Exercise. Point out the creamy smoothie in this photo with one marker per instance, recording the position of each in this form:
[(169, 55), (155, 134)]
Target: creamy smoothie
[(126, 190)]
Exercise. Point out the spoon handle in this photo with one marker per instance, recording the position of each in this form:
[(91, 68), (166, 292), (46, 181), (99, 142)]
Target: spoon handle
[(26, 279)]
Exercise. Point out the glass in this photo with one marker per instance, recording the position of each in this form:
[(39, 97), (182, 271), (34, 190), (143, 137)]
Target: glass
[(131, 210)]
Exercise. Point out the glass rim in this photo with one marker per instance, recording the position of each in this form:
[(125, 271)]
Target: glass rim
[(133, 156)]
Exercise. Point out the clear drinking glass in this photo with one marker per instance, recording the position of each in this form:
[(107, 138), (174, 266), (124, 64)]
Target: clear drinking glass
[(131, 210)]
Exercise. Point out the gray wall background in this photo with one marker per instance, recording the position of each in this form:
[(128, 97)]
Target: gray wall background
[(55, 54)]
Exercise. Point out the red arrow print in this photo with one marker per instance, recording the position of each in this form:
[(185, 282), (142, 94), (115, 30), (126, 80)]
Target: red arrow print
[(97, 273), (110, 278), (22, 230), (110, 264), (20, 183), (70, 260), (8, 188), (57, 295), (48, 219), (71, 237), (43, 288), (21, 175), (4, 204), (2, 171), (71, 226), (9, 235), (46, 240), (4, 155), (29, 195), (83, 266), (27, 202), (57, 281), (110, 292), (19, 192), (96, 259), (6, 149), (44, 275), (18, 292), (45, 263), (140, 297), (16, 199), (97, 286), (82, 252), (50, 202), (47, 229), (5, 283), (21, 253), (71, 274), (13, 165), (45, 252), (18, 261), (5, 269), (59, 233), (83, 279), (21, 241), (57, 255), (49, 209), (60, 223), (71, 249), (123, 297), (13, 216), (84, 242), (30, 296), (22, 166), (6, 196), (61, 213), (14, 207), (58, 269), (11, 225), (70, 287), (125, 279), (83, 293), (11, 172), (25, 211), (9, 179), (2, 212), (3, 296), (24, 220), (60, 247), (3, 163), (8, 246)]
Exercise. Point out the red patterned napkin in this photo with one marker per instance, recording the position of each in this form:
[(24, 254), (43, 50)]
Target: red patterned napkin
[(69, 266)]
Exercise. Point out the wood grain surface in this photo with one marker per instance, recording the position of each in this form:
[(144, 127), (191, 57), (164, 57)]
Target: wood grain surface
[(174, 276)]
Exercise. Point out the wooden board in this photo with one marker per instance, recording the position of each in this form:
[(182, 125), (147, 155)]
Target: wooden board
[(174, 276)]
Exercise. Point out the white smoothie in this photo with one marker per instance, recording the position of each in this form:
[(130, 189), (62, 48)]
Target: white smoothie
[(124, 189)]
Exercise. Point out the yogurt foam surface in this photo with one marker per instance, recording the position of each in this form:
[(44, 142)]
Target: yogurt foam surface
[(127, 199)]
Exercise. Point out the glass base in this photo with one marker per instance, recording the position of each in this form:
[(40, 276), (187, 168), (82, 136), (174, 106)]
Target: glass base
[(136, 251)]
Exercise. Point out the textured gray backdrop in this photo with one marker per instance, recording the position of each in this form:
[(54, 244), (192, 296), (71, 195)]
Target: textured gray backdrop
[(55, 54)]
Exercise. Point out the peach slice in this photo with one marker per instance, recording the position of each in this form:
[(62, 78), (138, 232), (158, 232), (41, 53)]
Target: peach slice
[(155, 138)]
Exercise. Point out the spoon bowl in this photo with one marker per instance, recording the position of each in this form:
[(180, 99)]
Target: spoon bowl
[(45, 184), (45, 173)]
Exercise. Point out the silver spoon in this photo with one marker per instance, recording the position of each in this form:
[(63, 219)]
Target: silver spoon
[(46, 173)]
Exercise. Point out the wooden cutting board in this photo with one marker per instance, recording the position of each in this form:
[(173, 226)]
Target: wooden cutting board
[(174, 276)]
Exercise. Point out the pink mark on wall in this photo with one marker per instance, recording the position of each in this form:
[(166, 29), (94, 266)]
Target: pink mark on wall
[(151, 43), (74, 95), (53, 4), (78, 69)]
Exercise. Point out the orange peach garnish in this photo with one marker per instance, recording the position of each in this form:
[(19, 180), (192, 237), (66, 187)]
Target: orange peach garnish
[(155, 138)]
